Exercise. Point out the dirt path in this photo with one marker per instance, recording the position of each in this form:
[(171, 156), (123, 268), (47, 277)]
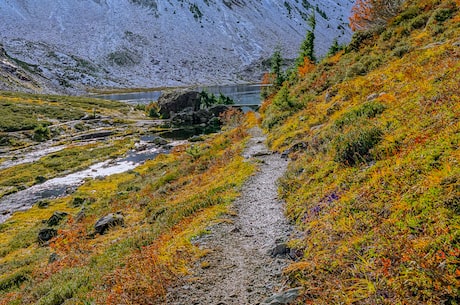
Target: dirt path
[(240, 268)]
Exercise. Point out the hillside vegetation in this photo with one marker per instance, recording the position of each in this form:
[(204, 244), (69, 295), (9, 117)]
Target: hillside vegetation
[(29, 120), (164, 204), (373, 132)]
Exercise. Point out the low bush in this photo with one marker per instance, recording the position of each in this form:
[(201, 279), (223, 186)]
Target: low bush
[(401, 50), (366, 110), (354, 147), (41, 133)]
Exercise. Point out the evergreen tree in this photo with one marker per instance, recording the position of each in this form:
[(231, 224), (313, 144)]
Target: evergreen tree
[(334, 48), (307, 49), (276, 68)]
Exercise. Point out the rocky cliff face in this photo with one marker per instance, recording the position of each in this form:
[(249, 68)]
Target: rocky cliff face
[(20, 76), (148, 43)]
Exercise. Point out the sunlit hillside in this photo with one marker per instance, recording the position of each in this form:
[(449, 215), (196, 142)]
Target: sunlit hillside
[(373, 132)]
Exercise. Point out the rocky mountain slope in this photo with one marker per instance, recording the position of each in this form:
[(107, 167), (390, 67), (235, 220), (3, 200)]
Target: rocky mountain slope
[(149, 43)]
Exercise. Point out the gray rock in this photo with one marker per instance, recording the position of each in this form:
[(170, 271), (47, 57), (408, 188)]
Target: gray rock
[(217, 110), (202, 116), (372, 96), (184, 118), (280, 250), (53, 258), (108, 221), (80, 215), (294, 148), (56, 218), (159, 141), (190, 117), (284, 297), (176, 101), (261, 153), (46, 235)]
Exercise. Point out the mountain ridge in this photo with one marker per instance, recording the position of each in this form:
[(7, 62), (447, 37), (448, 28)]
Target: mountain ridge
[(152, 44)]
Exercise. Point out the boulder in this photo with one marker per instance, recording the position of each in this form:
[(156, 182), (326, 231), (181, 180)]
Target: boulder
[(46, 235), (184, 118), (53, 258), (280, 250), (190, 117), (202, 116), (283, 298), (372, 97), (217, 110), (108, 221), (159, 141), (80, 215), (56, 218), (78, 201), (176, 101)]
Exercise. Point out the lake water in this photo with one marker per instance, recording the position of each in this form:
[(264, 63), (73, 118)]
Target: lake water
[(248, 94)]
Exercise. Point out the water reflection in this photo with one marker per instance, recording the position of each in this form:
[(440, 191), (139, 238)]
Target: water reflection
[(241, 94)]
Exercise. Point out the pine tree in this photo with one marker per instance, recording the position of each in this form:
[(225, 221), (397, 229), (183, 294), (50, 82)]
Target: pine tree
[(307, 49), (334, 48), (276, 68)]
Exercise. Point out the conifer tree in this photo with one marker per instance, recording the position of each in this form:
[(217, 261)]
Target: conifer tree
[(276, 68), (307, 49), (334, 48)]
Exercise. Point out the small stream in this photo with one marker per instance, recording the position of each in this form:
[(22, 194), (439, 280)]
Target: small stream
[(31, 156), (243, 95), (62, 186)]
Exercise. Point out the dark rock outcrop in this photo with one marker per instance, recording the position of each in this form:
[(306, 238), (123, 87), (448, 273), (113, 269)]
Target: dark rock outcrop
[(46, 235), (190, 117), (108, 221), (176, 101), (217, 110), (56, 218)]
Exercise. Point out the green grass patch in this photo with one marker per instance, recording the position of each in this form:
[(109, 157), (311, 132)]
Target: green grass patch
[(67, 160)]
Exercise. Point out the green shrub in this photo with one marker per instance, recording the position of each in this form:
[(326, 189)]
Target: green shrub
[(443, 14), (367, 110), (387, 34), (401, 50), (408, 14), (363, 65), (152, 109), (354, 147), (419, 22), (359, 38), (209, 99), (41, 133), (14, 280)]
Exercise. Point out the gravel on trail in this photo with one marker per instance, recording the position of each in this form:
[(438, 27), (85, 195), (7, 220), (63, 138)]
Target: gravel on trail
[(239, 268)]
